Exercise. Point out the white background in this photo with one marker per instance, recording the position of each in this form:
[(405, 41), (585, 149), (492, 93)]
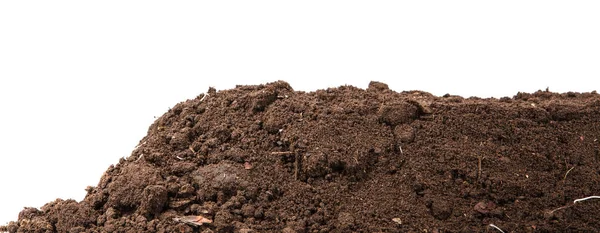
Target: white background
[(81, 81)]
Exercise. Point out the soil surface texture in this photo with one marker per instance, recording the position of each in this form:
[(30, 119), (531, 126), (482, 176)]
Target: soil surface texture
[(266, 158)]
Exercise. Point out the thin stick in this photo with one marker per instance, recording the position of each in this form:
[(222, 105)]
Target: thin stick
[(296, 168), (282, 153), (139, 157), (478, 167), (586, 198), (559, 208), (564, 178), (401, 152), (574, 202), (497, 228), (204, 97)]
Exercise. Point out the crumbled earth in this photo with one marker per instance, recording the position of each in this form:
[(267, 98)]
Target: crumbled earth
[(267, 158)]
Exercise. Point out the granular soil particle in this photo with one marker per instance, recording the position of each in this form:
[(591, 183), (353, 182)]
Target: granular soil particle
[(266, 158)]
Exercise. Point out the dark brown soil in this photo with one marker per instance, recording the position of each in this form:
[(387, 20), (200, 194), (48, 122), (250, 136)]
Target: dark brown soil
[(269, 159)]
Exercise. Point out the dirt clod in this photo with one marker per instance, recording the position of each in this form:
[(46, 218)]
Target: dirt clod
[(345, 222), (265, 158), (484, 207), (441, 209), (396, 113), (154, 198), (404, 133)]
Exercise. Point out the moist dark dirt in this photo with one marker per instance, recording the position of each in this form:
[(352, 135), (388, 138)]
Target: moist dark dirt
[(267, 158)]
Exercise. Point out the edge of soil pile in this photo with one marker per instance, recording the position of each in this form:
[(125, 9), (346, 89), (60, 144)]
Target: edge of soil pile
[(266, 158)]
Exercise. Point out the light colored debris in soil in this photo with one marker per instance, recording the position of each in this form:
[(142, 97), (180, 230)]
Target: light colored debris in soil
[(557, 209), (204, 97), (193, 220), (567, 173), (397, 220), (585, 198), (247, 166), (497, 228), (478, 168), (550, 213), (282, 153)]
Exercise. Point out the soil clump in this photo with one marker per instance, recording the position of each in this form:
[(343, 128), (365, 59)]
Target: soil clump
[(266, 158)]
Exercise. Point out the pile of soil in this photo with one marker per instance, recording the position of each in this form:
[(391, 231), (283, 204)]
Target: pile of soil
[(267, 158)]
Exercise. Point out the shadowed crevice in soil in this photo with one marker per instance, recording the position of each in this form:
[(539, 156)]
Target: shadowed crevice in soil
[(267, 158)]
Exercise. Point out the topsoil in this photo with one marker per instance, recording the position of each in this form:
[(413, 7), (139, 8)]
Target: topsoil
[(267, 158)]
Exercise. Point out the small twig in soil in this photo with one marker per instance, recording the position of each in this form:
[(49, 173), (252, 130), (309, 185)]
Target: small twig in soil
[(142, 155), (479, 168), (497, 228), (586, 198), (574, 202), (400, 147), (204, 97), (193, 220), (296, 168), (565, 177), (282, 153), (559, 208), (180, 158)]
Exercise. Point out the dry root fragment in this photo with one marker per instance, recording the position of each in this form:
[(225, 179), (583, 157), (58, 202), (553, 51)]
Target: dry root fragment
[(585, 198), (550, 213), (497, 228), (282, 153), (193, 220), (565, 177), (204, 97)]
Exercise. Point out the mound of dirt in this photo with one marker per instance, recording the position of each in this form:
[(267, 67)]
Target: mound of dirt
[(267, 158)]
